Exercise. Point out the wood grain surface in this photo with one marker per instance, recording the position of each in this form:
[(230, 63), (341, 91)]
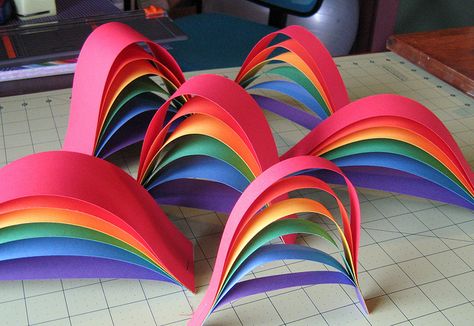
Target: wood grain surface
[(448, 54)]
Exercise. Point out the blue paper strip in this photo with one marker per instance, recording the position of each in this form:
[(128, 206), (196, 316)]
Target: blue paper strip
[(201, 167), (55, 246), (295, 91), (402, 163)]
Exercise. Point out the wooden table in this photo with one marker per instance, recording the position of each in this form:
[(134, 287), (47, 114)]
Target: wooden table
[(448, 54)]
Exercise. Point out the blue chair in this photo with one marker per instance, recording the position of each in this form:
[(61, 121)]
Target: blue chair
[(218, 40)]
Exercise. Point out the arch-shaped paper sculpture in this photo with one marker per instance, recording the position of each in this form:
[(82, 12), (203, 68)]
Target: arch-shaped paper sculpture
[(66, 214), (252, 224), (113, 97), (210, 149), (306, 74), (206, 144), (382, 138)]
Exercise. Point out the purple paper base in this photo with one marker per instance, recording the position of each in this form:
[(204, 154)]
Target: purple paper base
[(54, 267), (196, 193), (397, 181), (277, 282)]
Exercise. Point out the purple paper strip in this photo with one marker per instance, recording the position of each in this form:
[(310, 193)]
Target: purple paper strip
[(396, 181), (298, 116), (277, 282), (195, 193), (54, 267)]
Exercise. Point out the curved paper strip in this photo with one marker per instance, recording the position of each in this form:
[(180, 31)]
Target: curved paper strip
[(282, 177), (408, 166), (55, 227), (403, 136), (298, 63), (282, 109), (294, 75), (277, 282), (202, 168), (273, 231), (275, 212), (49, 246), (192, 145), (54, 267), (99, 80), (278, 187), (131, 132), (139, 109), (291, 52), (126, 74), (382, 179), (187, 193), (299, 226), (401, 113), (403, 152), (71, 211), (96, 186), (108, 227), (251, 223), (199, 124), (394, 127), (141, 87), (439, 163)]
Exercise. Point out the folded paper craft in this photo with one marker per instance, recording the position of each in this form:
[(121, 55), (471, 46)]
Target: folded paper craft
[(210, 144), (206, 144), (373, 139), (73, 215), (382, 137), (251, 225), (113, 97), (308, 76)]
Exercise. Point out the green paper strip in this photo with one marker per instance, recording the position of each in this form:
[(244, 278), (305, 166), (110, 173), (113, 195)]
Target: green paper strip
[(191, 145), (42, 230)]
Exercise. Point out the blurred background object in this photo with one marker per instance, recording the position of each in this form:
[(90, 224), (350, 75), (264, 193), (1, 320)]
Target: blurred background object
[(429, 15), (372, 21), (6, 11), (335, 22), (39, 54), (224, 31), (31, 9)]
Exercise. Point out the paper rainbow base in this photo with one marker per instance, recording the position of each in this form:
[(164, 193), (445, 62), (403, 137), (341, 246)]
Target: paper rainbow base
[(206, 144)]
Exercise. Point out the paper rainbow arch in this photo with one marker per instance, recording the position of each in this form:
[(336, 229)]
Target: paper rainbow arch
[(71, 215), (251, 225), (206, 144)]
